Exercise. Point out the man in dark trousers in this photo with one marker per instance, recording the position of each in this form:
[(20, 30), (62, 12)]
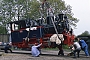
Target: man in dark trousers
[(61, 52), (84, 46), (77, 49), (7, 47)]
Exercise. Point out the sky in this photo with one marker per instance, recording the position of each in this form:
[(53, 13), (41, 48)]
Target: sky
[(81, 10)]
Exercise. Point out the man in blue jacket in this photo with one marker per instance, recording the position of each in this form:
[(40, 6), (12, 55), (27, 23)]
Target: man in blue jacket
[(84, 46)]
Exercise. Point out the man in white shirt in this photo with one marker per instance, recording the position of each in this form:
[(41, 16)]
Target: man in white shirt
[(35, 51), (77, 48)]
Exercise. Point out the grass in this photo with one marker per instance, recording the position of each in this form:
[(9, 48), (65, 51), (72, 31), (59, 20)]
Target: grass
[(65, 47), (50, 48)]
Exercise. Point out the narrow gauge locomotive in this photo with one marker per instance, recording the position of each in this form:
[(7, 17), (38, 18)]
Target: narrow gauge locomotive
[(24, 33)]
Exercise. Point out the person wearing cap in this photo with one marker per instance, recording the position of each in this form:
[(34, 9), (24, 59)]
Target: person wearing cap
[(84, 47), (34, 50)]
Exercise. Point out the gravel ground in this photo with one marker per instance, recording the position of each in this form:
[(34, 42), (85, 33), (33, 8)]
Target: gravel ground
[(46, 55)]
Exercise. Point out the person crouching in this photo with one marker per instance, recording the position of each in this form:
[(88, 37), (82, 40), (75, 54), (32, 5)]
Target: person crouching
[(35, 51), (77, 48)]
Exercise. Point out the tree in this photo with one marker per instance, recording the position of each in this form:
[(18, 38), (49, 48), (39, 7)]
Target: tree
[(12, 10), (86, 33), (85, 36), (59, 6)]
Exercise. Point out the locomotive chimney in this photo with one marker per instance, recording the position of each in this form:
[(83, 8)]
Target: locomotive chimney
[(61, 16)]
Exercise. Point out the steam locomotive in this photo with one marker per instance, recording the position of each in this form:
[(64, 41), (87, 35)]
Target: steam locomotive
[(24, 33)]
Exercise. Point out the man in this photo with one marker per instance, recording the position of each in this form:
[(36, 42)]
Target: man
[(84, 46), (7, 47), (35, 51), (61, 52), (77, 48)]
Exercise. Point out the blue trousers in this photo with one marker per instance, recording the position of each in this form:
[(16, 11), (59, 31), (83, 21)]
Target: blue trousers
[(86, 51)]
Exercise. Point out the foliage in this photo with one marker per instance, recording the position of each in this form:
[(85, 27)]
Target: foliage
[(12, 10), (86, 33), (3, 30), (50, 48), (65, 47), (85, 36), (59, 6)]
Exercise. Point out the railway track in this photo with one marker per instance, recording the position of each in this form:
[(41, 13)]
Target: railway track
[(46, 55)]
